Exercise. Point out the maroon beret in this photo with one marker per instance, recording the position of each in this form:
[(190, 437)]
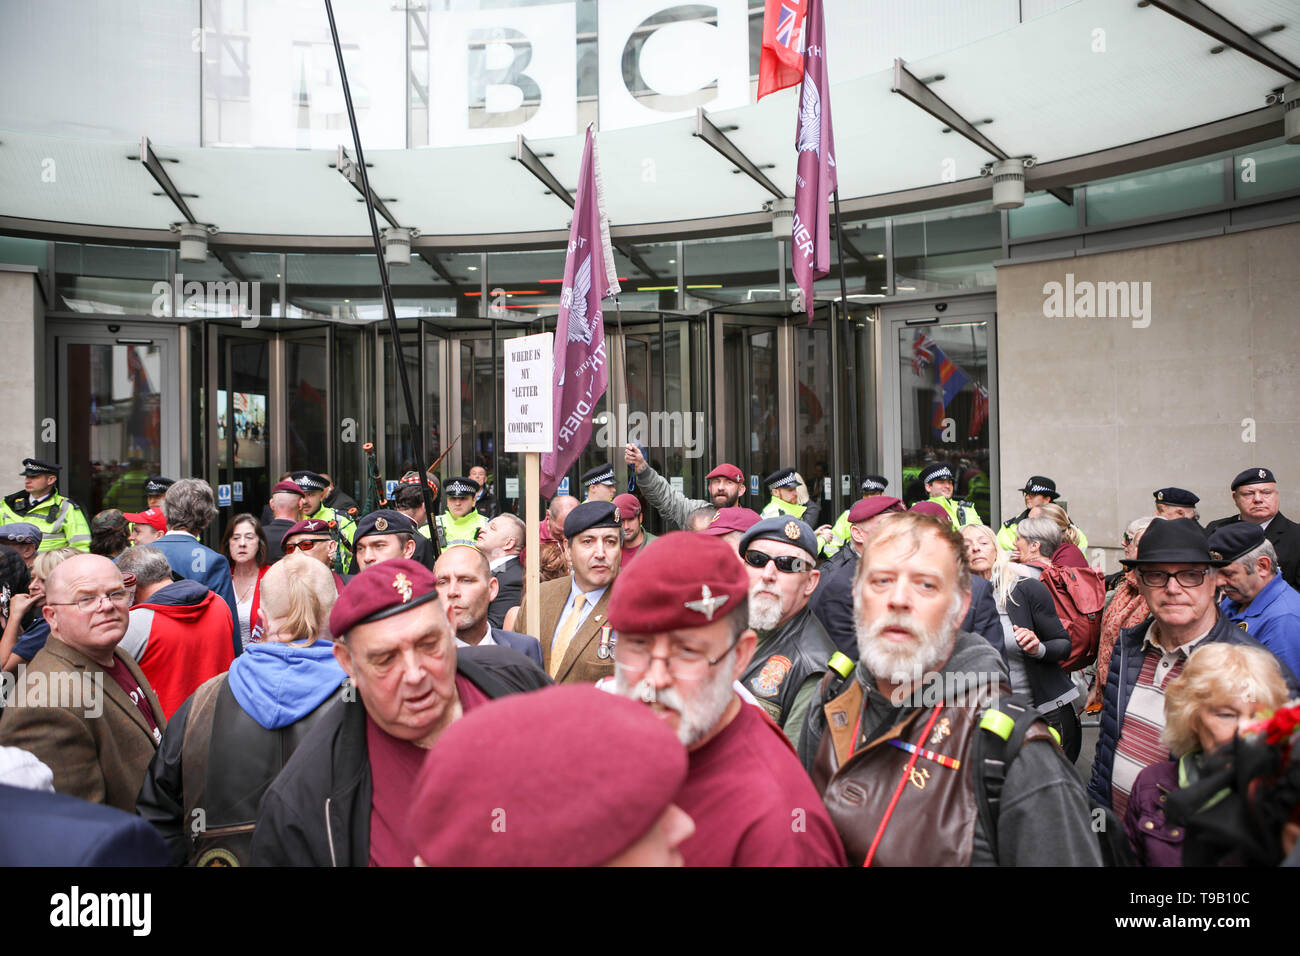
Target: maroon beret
[(628, 506), (727, 471), (680, 580), (288, 487), (307, 526), (732, 519), (564, 776), (866, 508), (930, 508), (380, 591)]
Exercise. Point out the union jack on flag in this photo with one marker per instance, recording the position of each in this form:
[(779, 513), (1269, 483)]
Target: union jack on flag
[(786, 22), (922, 352)]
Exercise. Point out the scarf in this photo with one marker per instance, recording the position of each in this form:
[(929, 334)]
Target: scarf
[(1127, 609)]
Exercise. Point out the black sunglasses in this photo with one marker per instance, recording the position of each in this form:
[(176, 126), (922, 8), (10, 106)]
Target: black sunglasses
[(788, 563)]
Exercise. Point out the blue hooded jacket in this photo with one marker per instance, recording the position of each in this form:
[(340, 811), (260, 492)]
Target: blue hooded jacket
[(279, 684)]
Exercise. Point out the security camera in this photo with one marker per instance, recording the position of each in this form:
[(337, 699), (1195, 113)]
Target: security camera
[(941, 307), (115, 329)]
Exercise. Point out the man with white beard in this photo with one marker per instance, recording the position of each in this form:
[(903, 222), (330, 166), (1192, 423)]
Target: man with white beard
[(793, 651), (900, 750), (681, 613)]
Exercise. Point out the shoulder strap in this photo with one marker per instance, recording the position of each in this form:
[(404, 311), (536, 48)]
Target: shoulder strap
[(998, 740)]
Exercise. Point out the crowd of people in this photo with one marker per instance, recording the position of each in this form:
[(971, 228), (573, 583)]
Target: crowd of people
[(755, 686)]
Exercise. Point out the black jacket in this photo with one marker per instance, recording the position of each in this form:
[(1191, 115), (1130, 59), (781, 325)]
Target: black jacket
[(783, 660), (510, 584), (1030, 605), (317, 813), (982, 618), (832, 602), (1285, 535)]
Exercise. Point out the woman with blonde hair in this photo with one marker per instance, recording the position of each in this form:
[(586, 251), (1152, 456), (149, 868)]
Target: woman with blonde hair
[(1220, 686), (1070, 552), (231, 738)]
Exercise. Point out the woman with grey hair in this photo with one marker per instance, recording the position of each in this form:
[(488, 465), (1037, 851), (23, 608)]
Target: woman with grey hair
[(1037, 539)]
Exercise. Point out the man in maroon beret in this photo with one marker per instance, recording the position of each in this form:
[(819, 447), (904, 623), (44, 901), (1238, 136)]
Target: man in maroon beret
[(635, 536), (568, 776), (313, 537), (832, 602), (731, 524), (342, 798), (285, 503), (726, 483), (682, 617)]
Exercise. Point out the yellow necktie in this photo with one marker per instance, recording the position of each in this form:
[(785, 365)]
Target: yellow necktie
[(565, 633)]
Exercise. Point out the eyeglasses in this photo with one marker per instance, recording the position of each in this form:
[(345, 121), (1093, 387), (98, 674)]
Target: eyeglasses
[(304, 545), (1188, 578), (683, 663), (790, 564), (90, 602)]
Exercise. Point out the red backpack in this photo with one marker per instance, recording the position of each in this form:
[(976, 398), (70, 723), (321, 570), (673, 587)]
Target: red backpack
[(1079, 595)]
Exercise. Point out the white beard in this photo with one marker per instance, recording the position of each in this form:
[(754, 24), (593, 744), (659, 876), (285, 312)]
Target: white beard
[(699, 715), (764, 611), (905, 663)]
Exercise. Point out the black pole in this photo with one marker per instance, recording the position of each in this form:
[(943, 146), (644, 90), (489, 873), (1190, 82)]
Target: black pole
[(844, 317), (399, 356), (496, 411)]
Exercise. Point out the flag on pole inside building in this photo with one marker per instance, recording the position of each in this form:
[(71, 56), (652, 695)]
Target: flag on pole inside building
[(949, 379), (922, 352), (581, 361), (780, 62), (979, 410), (815, 175)]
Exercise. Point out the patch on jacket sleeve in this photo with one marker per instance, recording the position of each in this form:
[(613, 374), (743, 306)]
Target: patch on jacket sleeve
[(769, 679)]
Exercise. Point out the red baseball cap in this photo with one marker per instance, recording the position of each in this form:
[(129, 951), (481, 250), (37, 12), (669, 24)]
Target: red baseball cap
[(563, 776), (732, 519), (866, 508), (380, 591), (730, 472), (153, 517), (628, 506), (680, 580)]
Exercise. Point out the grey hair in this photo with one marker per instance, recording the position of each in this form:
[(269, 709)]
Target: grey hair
[(1043, 530), (189, 505), (149, 565), (1265, 549), (1139, 525)]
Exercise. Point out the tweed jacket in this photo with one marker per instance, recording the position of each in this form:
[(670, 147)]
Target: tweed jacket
[(101, 757), (582, 663)]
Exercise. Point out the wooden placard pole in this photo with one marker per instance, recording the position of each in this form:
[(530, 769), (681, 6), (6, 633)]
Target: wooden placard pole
[(533, 534)]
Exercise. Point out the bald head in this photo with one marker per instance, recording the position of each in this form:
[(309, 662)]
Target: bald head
[(557, 511), (96, 629)]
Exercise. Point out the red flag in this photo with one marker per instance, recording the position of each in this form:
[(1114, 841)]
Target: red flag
[(979, 410), (814, 179), (781, 61)]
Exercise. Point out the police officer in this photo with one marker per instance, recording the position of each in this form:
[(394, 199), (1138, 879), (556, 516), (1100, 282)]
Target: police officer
[(460, 523), (314, 487), (125, 493), (784, 485), (599, 482), (60, 520), (872, 485), (1037, 491), (938, 481), (155, 490)]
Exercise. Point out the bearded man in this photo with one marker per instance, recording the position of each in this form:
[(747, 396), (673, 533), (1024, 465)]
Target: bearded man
[(893, 748), (682, 616)]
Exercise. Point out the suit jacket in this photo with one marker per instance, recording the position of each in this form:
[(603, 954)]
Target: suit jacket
[(195, 561), (100, 758), (1285, 535), (510, 581), (581, 663), (530, 647), (50, 829)]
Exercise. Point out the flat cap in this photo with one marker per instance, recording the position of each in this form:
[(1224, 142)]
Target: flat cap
[(628, 506), (1176, 496), (781, 528), (732, 519), (153, 517), (310, 481), (730, 472), (782, 478), (678, 581), (600, 475), (460, 487), (1232, 540), (34, 466), (1253, 476), (591, 514), (381, 591), (875, 483), (864, 509), (1038, 485), (563, 776), (20, 532), (939, 471), (287, 488), (384, 521), (157, 485)]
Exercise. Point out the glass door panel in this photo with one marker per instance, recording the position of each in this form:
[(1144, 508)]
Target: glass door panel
[(243, 425)]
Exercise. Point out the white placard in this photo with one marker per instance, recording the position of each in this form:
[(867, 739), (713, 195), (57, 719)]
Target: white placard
[(528, 394), (512, 487), (846, 485), (826, 487), (676, 483)]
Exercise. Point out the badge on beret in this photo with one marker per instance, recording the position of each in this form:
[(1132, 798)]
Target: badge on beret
[(381, 524), (616, 514), (1160, 496), (792, 530), (1263, 473), (402, 585), (707, 603)]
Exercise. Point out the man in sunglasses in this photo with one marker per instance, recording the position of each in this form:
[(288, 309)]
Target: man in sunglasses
[(313, 537), (681, 612), (793, 649), (1177, 576)]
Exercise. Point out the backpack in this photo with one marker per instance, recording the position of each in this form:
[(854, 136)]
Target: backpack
[(1080, 596)]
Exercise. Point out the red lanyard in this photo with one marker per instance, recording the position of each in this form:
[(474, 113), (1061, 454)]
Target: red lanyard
[(902, 782)]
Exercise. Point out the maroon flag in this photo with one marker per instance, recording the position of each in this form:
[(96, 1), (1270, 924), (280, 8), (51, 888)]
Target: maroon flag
[(581, 362), (815, 176)]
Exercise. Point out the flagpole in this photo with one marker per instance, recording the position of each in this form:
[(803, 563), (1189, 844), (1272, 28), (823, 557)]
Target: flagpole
[(844, 316), (415, 422)]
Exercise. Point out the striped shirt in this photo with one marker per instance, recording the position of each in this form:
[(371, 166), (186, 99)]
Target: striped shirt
[(1139, 740)]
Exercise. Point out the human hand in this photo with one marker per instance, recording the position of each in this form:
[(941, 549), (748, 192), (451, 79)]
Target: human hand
[(632, 456), (1027, 640)]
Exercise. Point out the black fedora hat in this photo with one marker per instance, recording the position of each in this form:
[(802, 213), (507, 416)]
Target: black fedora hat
[(1176, 541)]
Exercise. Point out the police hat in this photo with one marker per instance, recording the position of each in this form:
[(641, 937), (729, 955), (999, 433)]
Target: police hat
[(1234, 539), (34, 466), (461, 488), (157, 485), (1253, 476), (1038, 485), (591, 514), (600, 475), (875, 483), (782, 478), (781, 528), (384, 522), (1176, 496), (309, 481), (939, 471)]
